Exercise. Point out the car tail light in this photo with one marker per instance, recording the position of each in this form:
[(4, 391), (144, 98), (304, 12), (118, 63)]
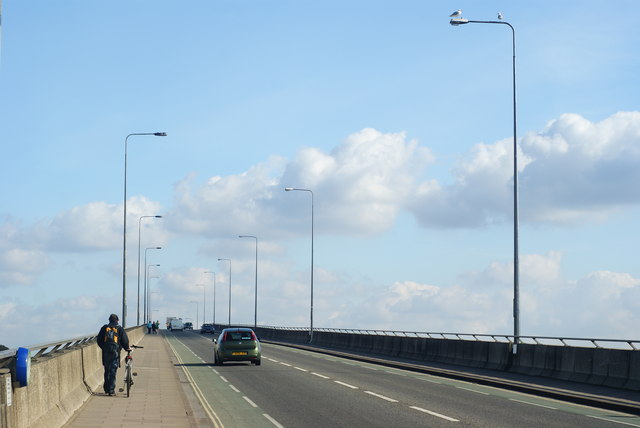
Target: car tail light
[(253, 336)]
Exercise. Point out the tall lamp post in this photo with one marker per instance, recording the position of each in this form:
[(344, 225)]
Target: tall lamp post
[(197, 320), (146, 294), (229, 260), (204, 303), (516, 264), (289, 189), (255, 311), (139, 235), (213, 275), (124, 229)]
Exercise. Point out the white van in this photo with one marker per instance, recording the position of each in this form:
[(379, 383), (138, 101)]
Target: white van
[(176, 324)]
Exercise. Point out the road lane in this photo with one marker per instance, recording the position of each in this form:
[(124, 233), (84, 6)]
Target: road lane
[(299, 388)]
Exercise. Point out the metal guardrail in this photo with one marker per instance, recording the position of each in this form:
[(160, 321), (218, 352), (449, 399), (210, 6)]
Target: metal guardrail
[(37, 351), (46, 349), (504, 338)]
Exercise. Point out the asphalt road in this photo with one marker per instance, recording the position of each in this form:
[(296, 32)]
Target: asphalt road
[(295, 388)]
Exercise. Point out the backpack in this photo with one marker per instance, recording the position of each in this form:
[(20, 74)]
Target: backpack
[(111, 335)]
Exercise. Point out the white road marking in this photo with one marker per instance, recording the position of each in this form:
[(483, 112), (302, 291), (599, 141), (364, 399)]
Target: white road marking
[(345, 384), (533, 404), (273, 421), (234, 388), (391, 400), (285, 364), (472, 390), (429, 380), (611, 420), (320, 375), (224, 379), (249, 401), (438, 415)]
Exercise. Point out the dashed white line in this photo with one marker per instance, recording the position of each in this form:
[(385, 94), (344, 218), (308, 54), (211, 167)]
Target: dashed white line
[(224, 379), (320, 375), (533, 404), (438, 415), (472, 390), (234, 388), (273, 421), (391, 400), (345, 384), (249, 401), (429, 380), (285, 364), (301, 369)]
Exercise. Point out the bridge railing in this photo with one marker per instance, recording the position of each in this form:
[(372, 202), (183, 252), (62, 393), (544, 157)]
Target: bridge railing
[(500, 338)]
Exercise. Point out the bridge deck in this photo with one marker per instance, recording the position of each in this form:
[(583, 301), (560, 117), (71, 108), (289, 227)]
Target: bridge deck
[(157, 396)]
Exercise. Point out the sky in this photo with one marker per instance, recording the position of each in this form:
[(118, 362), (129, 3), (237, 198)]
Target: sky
[(399, 123)]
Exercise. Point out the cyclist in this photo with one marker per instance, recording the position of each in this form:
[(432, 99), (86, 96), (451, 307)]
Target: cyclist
[(112, 339)]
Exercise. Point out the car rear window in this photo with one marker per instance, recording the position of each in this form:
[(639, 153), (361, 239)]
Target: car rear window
[(239, 335)]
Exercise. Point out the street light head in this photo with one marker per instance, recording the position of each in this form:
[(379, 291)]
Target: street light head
[(458, 21), (288, 189), (158, 248), (158, 216), (160, 134)]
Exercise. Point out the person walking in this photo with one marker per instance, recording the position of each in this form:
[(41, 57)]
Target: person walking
[(149, 327), (112, 339), (154, 328)]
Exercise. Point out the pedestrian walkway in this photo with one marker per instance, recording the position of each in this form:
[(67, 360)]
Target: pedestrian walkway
[(157, 399)]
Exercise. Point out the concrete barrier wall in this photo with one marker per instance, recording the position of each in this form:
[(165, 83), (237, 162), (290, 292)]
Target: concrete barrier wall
[(597, 366), (58, 385)]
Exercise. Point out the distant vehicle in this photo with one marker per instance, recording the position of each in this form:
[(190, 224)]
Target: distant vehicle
[(188, 326), (207, 328), (169, 322), (237, 344), (176, 325)]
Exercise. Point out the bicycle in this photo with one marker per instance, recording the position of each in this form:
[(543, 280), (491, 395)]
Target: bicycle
[(128, 370)]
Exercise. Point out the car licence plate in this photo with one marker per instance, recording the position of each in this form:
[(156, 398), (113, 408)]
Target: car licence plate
[(238, 353)]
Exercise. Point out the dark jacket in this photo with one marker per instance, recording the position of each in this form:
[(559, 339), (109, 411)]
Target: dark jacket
[(111, 350)]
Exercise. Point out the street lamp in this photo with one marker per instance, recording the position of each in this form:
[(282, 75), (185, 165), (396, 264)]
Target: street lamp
[(197, 315), (213, 274), (255, 311), (204, 302), (229, 260), (139, 230), (289, 189), (146, 294), (124, 230), (516, 263)]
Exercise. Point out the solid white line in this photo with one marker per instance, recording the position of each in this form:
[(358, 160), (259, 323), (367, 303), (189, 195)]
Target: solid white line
[(611, 420), (273, 421), (345, 384), (381, 396), (301, 369), (320, 375), (472, 390), (234, 388), (224, 379), (438, 415), (533, 404), (249, 401)]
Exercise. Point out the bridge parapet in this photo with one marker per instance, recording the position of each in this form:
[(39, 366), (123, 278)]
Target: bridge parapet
[(583, 360), (62, 377)]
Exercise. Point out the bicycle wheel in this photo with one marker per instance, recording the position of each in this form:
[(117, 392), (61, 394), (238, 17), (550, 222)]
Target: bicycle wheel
[(127, 379)]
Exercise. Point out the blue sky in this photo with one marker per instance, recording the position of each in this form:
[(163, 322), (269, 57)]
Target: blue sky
[(399, 123)]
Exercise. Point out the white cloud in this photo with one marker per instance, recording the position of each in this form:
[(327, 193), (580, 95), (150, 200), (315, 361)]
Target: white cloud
[(573, 171)]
